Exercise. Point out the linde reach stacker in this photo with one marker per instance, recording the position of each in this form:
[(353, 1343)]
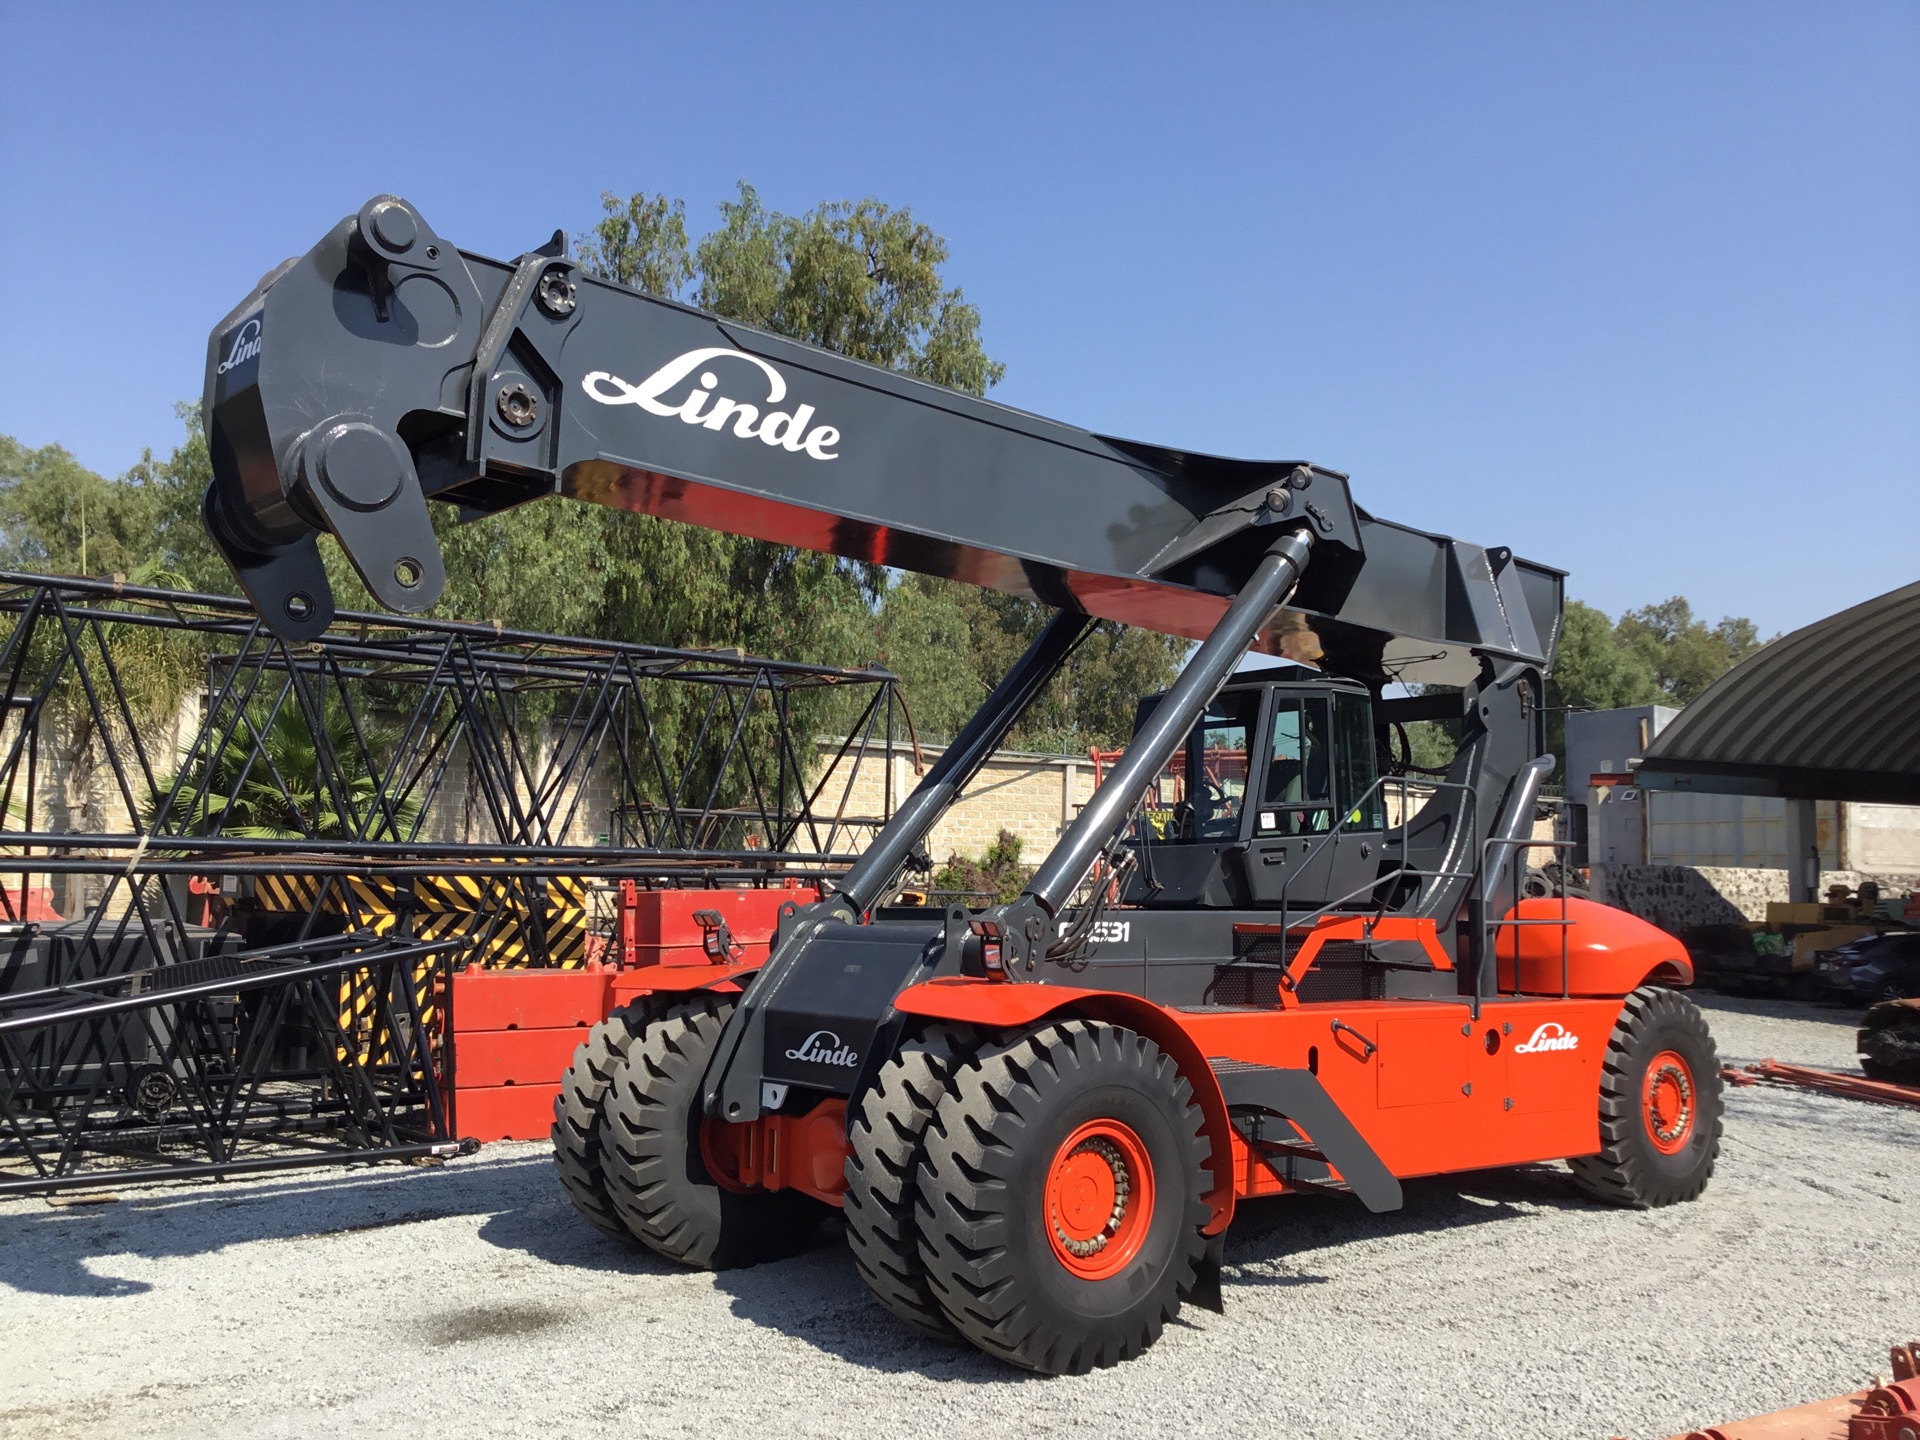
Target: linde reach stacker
[(1231, 977)]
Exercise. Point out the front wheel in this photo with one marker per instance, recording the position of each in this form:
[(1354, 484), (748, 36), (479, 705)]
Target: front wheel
[(655, 1165), (1660, 1105), (1060, 1197)]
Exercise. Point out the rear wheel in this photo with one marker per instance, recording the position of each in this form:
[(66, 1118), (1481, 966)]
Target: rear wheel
[(1660, 1105), (886, 1138), (1060, 1198), (577, 1111), (656, 1174)]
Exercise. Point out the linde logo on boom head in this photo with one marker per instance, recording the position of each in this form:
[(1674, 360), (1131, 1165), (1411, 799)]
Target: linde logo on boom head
[(1550, 1036), (788, 430), (823, 1047), (246, 345)]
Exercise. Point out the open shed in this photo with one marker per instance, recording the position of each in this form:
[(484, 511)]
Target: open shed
[(1829, 712)]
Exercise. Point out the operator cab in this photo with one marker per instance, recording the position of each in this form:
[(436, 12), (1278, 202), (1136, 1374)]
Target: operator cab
[(1271, 802)]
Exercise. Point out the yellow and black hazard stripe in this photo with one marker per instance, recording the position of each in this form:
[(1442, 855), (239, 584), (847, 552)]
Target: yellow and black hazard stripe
[(521, 922), (566, 918), (293, 893)]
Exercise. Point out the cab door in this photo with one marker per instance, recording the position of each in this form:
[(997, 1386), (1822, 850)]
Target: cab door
[(1316, 820)]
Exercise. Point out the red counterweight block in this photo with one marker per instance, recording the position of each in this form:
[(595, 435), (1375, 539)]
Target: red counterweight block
[(673, 927), (514, 1034), (515, 1031)]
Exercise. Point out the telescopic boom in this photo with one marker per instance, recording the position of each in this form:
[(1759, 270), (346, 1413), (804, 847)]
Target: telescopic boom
[(386, 368)]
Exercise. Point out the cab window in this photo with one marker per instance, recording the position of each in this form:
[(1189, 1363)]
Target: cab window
[(1220, 789), (1361, 802), (1297, 798)]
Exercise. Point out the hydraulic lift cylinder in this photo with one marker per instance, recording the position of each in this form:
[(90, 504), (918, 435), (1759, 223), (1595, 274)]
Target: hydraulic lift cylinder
[(872, 874), (1147, 755)]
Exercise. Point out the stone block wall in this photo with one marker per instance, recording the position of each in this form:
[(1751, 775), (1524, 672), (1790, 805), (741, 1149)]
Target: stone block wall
[(1678, 897)]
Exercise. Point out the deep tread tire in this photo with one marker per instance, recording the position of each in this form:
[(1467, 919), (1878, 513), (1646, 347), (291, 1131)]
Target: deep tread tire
[(650, 1142), (576, 1118), (1630, 1169), (886, 1136), (981, 1210)]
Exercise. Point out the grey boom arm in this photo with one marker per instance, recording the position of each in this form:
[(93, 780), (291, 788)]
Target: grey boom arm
[(385, 367)]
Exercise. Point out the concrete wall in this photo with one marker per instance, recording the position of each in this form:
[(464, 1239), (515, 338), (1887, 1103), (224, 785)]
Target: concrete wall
[(1882, 839), (1033, 795)]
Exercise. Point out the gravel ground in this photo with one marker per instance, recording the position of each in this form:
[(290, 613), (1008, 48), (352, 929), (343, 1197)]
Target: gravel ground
[(468, 1300)]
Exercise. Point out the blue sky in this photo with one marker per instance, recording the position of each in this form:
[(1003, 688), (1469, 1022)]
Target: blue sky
[(1634, 289)]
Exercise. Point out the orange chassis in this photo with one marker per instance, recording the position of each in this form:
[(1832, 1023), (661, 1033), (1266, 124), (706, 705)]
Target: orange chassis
[(1431, 1088)]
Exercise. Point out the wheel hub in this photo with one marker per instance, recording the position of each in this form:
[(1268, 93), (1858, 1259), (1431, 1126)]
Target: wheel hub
[(1667, 1102), (1099, 1199)]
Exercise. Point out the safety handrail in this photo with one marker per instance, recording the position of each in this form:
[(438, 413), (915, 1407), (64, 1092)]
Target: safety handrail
[(1486, 941), (1402, 872)]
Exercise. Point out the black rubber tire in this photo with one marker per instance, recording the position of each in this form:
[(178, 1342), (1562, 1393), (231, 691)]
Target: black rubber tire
[(886, 1132), (577, 1112), (981, 1211), (1630, 1169), (1891, 1055), (650, 1144)]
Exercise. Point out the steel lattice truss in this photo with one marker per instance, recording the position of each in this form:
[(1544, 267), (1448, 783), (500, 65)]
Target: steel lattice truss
[(225, 943)]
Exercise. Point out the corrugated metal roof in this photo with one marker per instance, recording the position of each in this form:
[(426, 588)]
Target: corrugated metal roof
[(1831, 712)]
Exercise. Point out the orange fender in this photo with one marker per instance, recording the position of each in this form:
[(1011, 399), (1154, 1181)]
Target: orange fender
[(1608, 952), (677, 980), (997, 1005)]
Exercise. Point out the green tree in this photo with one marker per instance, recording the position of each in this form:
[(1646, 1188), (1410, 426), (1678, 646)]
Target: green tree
[(56, 515), (641, 244), (926, 637), (861, 279), (170, 491), (1685, 655), (1594, 670), (952, 643), (1656, 655), (858, 278), (998, 873)]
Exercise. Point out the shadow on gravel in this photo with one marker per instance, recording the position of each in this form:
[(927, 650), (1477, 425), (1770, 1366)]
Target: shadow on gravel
[(819, 1297), (1267, 1232), (546, 1228), (47, 1251)]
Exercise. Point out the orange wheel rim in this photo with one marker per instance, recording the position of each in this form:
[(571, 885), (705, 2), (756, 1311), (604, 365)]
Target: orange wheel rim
[(1099, 1199), (1668, 1101)]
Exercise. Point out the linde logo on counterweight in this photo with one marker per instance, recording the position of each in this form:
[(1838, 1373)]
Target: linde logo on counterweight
[(1550, 1036), (790, 430), (823, 1047)]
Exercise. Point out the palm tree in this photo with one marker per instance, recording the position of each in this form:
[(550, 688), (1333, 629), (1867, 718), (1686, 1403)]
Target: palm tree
[(268, 782)]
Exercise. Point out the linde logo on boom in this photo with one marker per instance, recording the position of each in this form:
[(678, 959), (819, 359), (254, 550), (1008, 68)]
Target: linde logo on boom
[(246, 345), (787, 429), (823, 1047), (1550, 1036)]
